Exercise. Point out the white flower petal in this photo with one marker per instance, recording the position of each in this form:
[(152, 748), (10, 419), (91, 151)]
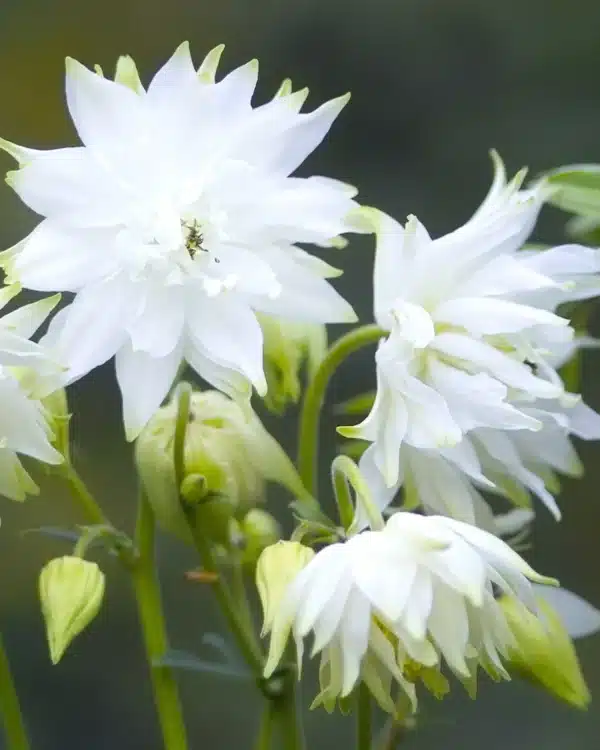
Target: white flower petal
[(483, 316), (579, 617), (144, 381)]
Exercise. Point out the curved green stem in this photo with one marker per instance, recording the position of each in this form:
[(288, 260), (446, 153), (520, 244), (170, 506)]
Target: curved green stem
[(14, 729), (237, 619), (285, 716), (308, 437), (363, 718), (84, 497), (147, 591)]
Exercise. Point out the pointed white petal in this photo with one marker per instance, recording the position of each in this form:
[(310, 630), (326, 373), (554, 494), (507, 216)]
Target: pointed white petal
[(144, 381), (579, 617)]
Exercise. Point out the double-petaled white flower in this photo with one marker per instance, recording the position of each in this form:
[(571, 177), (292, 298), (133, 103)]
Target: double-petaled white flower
[(466, 348), (175, 221), (422, 585), (27, 374)]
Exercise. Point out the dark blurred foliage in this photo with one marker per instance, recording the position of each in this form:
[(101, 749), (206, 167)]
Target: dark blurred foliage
[(435, 84)]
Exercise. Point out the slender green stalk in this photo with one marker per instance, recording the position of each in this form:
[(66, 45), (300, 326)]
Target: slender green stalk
[(14, 729), (237, 619), (244, 636), (363, 718), (147, 591), (308, 437), (264, 739), (84, 497), (285, 716)]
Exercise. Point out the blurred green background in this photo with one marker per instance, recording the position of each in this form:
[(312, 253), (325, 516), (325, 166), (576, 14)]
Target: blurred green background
[(435, 84)]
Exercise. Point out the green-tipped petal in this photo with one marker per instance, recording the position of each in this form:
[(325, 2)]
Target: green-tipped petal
[(208, 69), (127, 74)]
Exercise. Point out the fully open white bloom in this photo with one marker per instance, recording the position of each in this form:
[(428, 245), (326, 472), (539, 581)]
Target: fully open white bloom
[(424, 582), (27, 374), (175, 221), (466, 349)]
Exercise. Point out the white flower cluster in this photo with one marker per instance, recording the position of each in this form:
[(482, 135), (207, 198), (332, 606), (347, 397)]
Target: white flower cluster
[(176, 227)]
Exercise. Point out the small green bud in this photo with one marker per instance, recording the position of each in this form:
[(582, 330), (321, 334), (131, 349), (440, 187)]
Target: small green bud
[(276, 568), (544, 654), (58, 417), (71, 591), (288, 346), (259, 530), (228, 459)]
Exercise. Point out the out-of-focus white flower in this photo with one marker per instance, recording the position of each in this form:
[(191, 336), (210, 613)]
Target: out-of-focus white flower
[(27, 374), (175, 221), (466, 349), (425, 581)]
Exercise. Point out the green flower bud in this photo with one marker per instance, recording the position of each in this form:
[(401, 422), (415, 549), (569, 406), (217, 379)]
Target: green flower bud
[(228, 459), (58, 417), (288, 346), (71, 591), (259, 530), (544, 654), (276, 568)]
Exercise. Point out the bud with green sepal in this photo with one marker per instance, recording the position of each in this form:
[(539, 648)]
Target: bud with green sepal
[(543, 653), (288, 347), (71, 591), (228, 457)]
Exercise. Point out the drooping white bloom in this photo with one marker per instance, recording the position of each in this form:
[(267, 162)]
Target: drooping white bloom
[(466, 350), (175, 221), (27, 374), (424, 582), (512, 464)]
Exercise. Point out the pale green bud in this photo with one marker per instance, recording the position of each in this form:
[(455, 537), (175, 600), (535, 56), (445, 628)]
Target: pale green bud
[(276, 568), (228, 458), (288, 347), (71, 591), (58, 418), (544, 653), (259, 530)]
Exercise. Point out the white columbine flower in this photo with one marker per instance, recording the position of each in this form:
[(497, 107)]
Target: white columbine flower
[(425, 581), (465, 349), (27, 374), (175, 221)]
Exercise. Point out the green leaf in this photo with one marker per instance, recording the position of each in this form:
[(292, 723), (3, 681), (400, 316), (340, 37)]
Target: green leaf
[(55, 532), (576, 189)]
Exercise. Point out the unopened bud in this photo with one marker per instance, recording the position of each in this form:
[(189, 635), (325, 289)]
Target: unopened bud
[(71, 591), (259, 530), (289, 346), (276, 568), (544, 653), (228, 456)]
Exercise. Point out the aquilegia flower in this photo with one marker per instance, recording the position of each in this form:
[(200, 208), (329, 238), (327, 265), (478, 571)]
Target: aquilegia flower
[(465, 348), (27, 374), (175, 221), (422, 585)]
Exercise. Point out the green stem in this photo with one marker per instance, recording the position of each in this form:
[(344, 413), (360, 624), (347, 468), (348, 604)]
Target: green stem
[(14, 729), (236, 619), (244, 636), (147, 591), (363, 718), (264, 739), (308, 437), (285, 716), (86, 500)]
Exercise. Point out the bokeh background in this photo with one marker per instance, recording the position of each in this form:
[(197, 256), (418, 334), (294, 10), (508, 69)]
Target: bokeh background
[(435, 84)]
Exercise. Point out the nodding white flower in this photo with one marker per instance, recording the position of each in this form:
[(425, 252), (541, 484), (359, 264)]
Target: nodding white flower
[(465, 348), (513, 464), (27, 374), (175, 221), (426, 582)]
